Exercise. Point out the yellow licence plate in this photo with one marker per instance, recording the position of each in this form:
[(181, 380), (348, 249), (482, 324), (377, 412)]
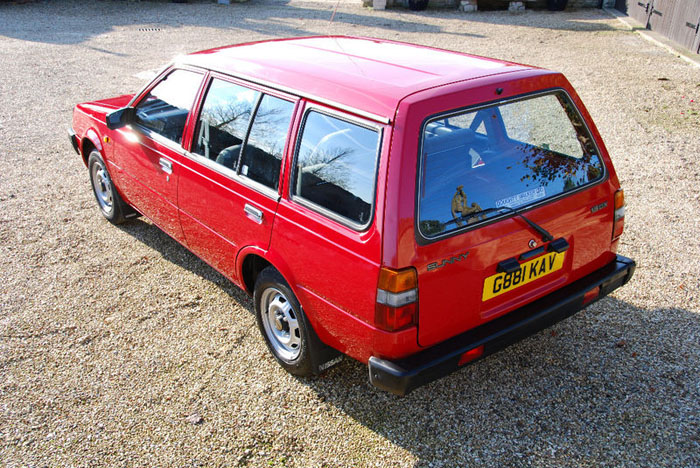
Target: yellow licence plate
[(529, 271)]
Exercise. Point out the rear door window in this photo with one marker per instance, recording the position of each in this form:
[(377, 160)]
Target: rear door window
[(165, 108), (476, 164), (262, 154), (336, 167)]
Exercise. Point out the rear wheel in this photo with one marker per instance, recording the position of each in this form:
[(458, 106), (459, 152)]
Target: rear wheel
[(111, 204), (283, 324)]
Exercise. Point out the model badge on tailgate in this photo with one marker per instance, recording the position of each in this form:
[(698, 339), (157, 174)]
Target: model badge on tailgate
[(447, 261)]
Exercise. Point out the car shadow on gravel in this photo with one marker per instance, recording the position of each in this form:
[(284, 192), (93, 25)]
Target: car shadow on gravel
[(174, 252), (613, 378), (75, 22)]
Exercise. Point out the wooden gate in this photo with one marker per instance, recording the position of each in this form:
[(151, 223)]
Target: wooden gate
[(640, 10), (678, 20)]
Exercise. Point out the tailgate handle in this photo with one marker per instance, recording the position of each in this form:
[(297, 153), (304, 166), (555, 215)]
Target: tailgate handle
[(559, 245), (532, 253), (253, 213), (508, 266)]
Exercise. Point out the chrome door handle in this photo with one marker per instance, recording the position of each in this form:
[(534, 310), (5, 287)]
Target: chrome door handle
[(166, 165), (253, 213)]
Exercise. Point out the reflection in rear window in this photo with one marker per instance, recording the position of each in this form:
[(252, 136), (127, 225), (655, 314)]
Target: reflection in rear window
[(509, 155)]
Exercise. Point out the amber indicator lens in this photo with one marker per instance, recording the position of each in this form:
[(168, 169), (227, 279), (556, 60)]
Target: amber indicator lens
[(619, 199), (397, 280)]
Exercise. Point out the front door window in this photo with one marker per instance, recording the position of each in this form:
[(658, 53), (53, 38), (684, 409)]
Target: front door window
[(165, 108)]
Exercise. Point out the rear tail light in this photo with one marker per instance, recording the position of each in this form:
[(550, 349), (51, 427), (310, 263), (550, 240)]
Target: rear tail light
[(619, 222), (397, 299)]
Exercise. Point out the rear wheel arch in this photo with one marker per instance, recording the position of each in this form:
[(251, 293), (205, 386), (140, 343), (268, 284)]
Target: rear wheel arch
[(251, 267), (253, 260), (311, 356)]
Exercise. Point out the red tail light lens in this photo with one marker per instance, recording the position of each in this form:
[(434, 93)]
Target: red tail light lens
[(397, 299), (395, 318)]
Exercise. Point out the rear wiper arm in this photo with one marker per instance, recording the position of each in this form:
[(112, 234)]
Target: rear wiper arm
[(546, 236)]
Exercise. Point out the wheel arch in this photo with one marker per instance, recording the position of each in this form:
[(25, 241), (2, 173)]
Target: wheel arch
[(250, 262), (89, 142)]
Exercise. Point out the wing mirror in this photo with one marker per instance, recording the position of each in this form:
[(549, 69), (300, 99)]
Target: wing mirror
[(120, 118)]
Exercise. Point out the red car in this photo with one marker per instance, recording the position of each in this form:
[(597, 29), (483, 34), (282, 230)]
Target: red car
[(413, 208)]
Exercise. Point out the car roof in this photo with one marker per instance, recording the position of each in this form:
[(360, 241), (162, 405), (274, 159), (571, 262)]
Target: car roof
[(363, 74)]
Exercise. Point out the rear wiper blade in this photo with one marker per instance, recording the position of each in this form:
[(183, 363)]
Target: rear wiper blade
[(546, 236)]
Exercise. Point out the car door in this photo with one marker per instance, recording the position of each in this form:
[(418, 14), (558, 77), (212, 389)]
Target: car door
[(229, 182), (150, 149), (327, 223)]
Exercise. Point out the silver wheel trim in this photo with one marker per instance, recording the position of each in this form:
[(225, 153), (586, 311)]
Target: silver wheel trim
[(281, 324), (102, 185)]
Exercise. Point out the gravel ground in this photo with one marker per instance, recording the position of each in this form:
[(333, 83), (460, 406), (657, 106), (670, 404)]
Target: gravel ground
[(120, 348)]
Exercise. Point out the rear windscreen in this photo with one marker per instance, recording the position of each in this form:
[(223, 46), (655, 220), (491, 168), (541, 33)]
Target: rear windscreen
[(479, 163)]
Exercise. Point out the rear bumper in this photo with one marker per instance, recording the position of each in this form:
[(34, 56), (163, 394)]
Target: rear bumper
[(404, 375), (73, 140)]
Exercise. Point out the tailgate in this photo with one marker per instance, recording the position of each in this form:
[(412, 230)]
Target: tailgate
[(494, 183)]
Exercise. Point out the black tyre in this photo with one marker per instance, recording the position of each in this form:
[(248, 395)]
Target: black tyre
[(111, 204), (556, 5), (417, 5), (284, 326)]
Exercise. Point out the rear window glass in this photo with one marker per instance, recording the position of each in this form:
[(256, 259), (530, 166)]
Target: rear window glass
[(336, 166), (477, 163)]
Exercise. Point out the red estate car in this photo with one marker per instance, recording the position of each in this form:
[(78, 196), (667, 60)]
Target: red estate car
[(413, 208)]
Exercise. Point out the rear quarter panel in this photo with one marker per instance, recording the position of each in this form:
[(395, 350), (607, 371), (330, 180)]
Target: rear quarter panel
[(333, 268)]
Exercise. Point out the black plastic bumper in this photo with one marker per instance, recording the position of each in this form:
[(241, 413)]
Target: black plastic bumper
[(73, 140), (404, 375)]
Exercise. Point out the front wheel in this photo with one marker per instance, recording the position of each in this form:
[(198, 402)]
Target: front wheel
[(108, 199), (283, 324)]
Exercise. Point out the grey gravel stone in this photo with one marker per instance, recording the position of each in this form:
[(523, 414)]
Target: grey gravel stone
[(195, 418), (166, 330)]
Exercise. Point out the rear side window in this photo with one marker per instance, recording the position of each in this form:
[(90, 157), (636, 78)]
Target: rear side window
[(336, 167), (165, 108), (477, 163), (263, 151)]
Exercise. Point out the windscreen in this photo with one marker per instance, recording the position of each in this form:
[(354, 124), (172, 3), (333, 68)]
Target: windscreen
[(477, 164)]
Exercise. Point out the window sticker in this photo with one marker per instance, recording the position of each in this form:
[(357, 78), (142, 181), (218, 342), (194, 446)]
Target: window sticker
[(522, 198), (476, 158)]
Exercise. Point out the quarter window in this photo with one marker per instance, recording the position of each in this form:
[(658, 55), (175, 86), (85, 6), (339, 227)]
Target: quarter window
[(263, 151), (336, 166), (166, 107), (223, 122)]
